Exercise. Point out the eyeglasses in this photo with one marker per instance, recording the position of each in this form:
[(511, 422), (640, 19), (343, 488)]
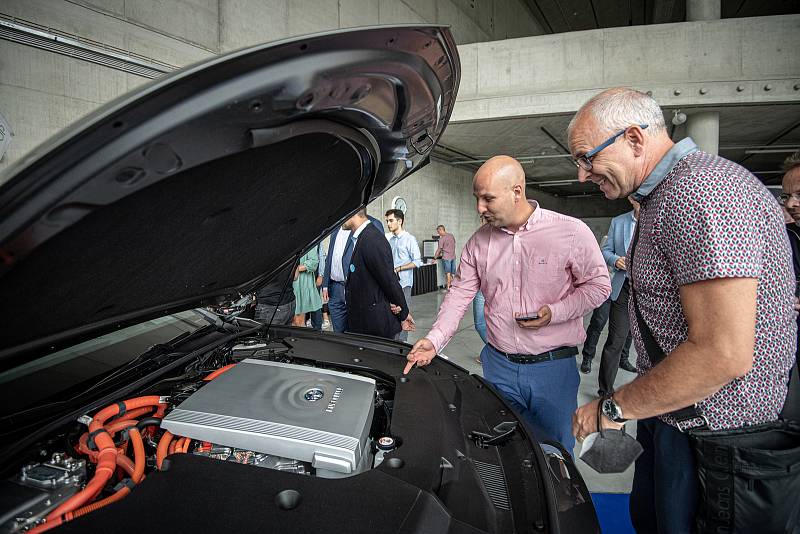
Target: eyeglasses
[(783, 198), (585, 161)]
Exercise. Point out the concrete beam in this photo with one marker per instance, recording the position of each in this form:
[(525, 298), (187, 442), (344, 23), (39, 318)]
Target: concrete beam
[(707, 63)]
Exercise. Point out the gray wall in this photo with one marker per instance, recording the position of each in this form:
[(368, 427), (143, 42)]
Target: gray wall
[(436, 194)]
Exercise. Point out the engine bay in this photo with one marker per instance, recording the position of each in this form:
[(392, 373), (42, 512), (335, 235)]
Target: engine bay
[(248, 403), (295, 427)]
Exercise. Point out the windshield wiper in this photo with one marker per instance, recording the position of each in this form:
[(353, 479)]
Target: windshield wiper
[(161, 352)]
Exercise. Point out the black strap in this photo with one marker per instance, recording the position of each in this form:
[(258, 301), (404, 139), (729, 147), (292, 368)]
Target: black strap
[(654, 350)]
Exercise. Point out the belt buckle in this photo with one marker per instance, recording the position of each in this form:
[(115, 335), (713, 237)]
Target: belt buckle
[(699, 417)]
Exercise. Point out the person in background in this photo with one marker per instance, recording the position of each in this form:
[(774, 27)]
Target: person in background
[(306, 294), (333, 279), (790, 200), (597, 322), (447, 253), (275, 301), (375, 302), (478, 314), (614, 251), (540, 272), (479, 318), (316, 318), (405, 255)]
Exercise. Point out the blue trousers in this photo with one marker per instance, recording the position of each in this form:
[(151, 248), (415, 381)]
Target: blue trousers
[(665, 490), (478, 315), (316, 319), (545, 394), (337, 306)]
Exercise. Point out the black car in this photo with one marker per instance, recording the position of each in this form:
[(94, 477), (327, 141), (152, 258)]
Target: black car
[(128, 407)]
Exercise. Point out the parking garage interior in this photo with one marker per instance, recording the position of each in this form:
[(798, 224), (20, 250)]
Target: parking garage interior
[(726, 73)]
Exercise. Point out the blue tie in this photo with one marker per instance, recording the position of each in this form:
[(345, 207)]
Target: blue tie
[(347, 257)]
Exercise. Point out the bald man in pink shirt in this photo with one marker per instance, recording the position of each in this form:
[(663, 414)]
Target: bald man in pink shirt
[(540, 272)]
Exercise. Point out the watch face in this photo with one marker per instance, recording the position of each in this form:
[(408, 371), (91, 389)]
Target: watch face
[(610, 409)]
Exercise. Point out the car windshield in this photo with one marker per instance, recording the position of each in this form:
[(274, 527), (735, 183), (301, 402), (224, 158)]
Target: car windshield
[(44, 378)]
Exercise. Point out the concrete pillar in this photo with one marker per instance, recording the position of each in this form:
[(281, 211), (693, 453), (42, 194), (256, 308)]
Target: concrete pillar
[(703, 10), (703, 128)]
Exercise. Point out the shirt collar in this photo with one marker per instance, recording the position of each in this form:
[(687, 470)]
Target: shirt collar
[(399, 234), (679, 151), (535, 216), (361, 228)]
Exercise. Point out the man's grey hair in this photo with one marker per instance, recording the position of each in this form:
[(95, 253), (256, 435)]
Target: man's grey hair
[(621, 107), (792, 162)]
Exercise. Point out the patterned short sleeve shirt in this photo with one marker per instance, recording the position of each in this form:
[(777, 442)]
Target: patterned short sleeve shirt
[(704, 217)]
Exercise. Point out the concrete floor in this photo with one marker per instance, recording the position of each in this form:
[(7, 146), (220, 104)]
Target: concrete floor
[(465, 347)]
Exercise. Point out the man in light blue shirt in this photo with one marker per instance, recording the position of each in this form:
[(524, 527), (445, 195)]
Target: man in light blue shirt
[(405, 254)]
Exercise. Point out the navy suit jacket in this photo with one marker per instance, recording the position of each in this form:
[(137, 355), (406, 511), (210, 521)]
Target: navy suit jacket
[(371, 285), (620, 234), (326, 277)]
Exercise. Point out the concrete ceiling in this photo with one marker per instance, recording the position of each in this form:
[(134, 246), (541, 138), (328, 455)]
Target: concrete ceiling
[(557, 16), (773, 131)]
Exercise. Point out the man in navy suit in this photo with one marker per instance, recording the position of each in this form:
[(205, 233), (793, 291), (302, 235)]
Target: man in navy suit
[(372, 286), (334, 277)]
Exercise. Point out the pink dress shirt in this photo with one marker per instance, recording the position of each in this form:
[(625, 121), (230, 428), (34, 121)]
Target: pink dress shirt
[(447, 245), (552, 259)]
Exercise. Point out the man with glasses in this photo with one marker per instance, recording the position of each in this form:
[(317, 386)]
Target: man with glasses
[(709, 257)]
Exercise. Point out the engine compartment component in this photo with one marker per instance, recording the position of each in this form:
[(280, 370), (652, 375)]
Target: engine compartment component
[(40, 487), (298, 419), (290, 411), (257, 459), (59, 472)]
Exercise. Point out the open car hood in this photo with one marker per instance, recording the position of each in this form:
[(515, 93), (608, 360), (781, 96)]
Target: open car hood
[(209, 180)]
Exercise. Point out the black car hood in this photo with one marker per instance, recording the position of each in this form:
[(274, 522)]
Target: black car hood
[(211, 179)]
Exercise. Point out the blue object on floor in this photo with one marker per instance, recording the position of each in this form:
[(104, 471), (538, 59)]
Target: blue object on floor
[(612, 512)]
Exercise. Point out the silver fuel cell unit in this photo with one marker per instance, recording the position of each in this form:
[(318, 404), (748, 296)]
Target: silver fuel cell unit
[(292, 411)]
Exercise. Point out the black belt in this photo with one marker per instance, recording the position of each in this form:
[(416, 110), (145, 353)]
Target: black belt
[(555, 354)]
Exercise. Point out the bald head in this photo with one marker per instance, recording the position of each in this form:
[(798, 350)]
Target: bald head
[(499, 187), (502, 170)]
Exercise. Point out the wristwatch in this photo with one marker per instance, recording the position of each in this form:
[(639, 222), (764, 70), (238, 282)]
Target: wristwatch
[(611, 409)]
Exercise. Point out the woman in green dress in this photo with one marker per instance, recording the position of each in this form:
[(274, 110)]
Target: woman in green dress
[(306, 294)]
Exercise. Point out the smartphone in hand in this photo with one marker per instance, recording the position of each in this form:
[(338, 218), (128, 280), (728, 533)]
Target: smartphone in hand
[(531, 317)]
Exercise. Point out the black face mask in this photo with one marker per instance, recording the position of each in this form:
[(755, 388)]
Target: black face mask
[(609, 450)]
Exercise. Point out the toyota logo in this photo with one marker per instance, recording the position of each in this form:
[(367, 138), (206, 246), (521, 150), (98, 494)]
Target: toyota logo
[(314, 394)]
